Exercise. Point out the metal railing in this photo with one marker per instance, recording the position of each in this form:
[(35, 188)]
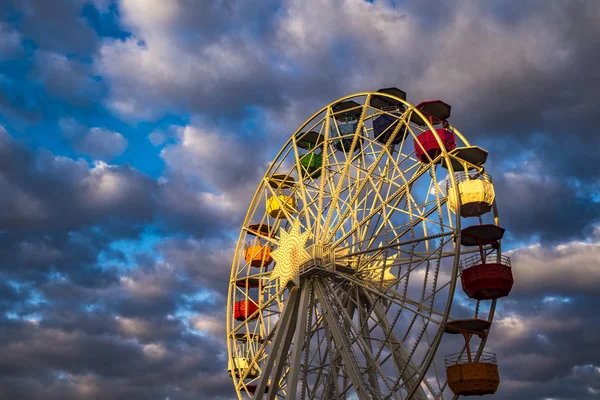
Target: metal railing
[(474, 260), (323, 255), (462, 358), (465, 176)]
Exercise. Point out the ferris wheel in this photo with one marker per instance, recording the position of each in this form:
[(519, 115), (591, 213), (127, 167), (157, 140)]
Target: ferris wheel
[(343, 281)]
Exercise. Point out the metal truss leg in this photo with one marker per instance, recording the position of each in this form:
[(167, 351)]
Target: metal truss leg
[(334, 369), (277, 354), (399, 353), (299, 339), (342, 343)]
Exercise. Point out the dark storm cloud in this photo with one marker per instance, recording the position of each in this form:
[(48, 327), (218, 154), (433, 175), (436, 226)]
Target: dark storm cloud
[(543, 346), (93, 363), (57, 215), (207, 263), (544, 206), (545, 332), (124, 339), (209, 178), (521, 74)]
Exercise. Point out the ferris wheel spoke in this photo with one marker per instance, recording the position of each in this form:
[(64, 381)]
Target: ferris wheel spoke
[(435, 371), (324, 172), (381, 206), (393, 245), (356, 338), (347, 164), (363, 323), (400, 355), (403, 301), (351, 202)]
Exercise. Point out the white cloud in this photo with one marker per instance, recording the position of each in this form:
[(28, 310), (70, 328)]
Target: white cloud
[(220, 170), (150, 284), (133, 326), (209, 324), (571, 267), (100, 143), (154, 350)]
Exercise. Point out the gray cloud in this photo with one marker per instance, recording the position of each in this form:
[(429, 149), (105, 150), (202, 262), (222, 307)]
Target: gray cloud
[(102, 143), (56, 27), (46, 191), (66, 77), (10, 46), (511, 81), (87, 320)]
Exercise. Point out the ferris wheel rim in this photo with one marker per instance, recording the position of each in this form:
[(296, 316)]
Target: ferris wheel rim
[(410, 108)]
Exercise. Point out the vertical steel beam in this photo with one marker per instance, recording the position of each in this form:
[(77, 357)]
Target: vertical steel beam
[(299, 341), (287, 316), (342, 344), (333, 376)]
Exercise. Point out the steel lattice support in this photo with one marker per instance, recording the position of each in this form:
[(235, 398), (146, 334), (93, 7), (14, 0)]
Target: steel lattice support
[(399, 353), (299, 340), (342, 344), (279, 346)]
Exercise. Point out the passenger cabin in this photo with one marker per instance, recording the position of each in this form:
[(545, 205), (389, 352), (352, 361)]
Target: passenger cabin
[(487, 278), (468, 375), (311, 161), (283, 203), (383, 102), (346, 115), (258, 251), (476, 191), (240, 366), (245, 310), (427, 147), (388, 125)]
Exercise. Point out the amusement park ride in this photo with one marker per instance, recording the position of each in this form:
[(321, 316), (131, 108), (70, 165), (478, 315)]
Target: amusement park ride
[(343, 283)]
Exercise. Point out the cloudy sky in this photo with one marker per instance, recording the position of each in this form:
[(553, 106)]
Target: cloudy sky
[(133, 133)]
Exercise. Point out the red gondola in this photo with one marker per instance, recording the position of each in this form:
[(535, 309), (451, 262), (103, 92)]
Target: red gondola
[(243, 310), (427, 147), (487, 280)]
